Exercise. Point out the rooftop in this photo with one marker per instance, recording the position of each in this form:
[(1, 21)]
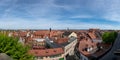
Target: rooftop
[(47, 52), (87, 47)]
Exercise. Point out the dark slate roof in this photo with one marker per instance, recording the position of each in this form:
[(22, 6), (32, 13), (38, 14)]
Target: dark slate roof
[(66, 33)]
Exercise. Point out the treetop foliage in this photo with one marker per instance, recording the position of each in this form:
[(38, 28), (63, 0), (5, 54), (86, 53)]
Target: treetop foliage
[(13, 48)]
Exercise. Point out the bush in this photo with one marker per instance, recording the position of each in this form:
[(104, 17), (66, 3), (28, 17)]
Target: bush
[(109, 37), (61, 59), (11, 47)]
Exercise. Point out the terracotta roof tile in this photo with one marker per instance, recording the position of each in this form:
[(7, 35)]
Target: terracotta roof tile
[(84, 44), (61, 40), (38, 47), (22, 34), (47, 52), (92, 35), (55, 33), (41, 32)]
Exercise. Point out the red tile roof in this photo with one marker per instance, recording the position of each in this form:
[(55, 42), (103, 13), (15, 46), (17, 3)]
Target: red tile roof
[(38, 47), (84, 44), (92, 35), (22, 34), (56, 34), (61, 40), (47, 52), (41, 32)]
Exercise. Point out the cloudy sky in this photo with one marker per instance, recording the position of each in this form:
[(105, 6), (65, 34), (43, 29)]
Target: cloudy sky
[(59, 14)]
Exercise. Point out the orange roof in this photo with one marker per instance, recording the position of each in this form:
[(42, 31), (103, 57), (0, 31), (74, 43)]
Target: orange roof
[(55, 33), (38, 47), (41, 32), (22, 34), (47, 52), (61, 40), (28, 39), (92, 35), (84, 43)]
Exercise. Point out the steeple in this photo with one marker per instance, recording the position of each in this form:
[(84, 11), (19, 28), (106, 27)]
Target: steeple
[(67, 29), (49, 32), (50, 29)]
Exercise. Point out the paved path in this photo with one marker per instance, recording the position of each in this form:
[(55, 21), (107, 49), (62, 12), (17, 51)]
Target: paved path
[(110, 55)]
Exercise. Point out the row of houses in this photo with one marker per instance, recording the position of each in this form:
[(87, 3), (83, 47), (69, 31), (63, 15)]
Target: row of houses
[(58, 44), (48, 44)]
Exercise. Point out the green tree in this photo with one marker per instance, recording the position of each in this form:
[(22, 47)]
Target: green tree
[(61, 59), (109, 37), (13, 48)]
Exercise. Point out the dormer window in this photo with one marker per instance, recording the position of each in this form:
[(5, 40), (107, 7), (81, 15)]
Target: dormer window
[(54, 50), (46, 51)]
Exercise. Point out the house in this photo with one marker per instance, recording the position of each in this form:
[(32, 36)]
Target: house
[(96, 32), (73, 34), (95, 35), (49, 45), (69, 48), (41, 34), (87, 45), (38, 44), (21, 40), (10, 34), (66, 34), (61, 40), (48, 54), (68, 45), (22, 33), (86, 48), (55, 33)]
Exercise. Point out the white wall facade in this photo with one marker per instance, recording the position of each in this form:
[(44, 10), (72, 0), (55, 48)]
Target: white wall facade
[(69, 49)]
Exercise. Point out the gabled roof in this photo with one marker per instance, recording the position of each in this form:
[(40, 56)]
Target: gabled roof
[(84, 44), (61, 40), (38, 47), (56, 33), (47, 52), (41, 32), (92, 35), (22, 34)]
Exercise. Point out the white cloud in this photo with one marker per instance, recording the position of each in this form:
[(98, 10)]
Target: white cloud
[(41, 23), (113, 13), (108, 9), (82, 16), (7, 6), (46, 15), (112, 17)]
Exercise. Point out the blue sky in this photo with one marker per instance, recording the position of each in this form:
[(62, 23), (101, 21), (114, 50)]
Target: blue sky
[(59, 14)]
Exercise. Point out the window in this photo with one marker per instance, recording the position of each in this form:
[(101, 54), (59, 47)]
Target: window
[(46, 52), (40, 57), (54, 50)]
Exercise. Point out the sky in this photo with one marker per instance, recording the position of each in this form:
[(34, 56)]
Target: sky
[(59, 14)]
